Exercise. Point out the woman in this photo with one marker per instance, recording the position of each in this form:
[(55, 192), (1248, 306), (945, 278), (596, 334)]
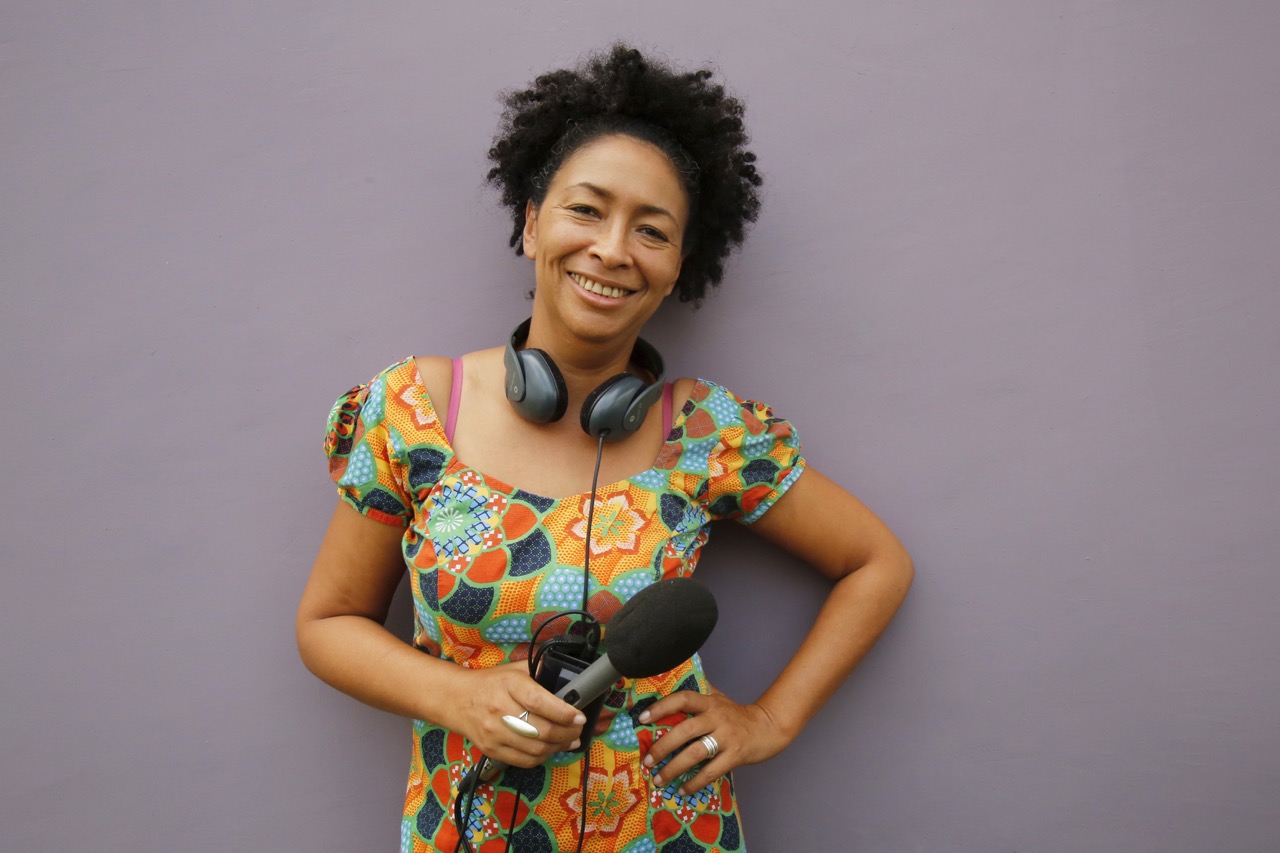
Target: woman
[(627, 181)]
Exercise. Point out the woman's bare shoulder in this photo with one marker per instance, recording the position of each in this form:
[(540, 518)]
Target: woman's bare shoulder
[(681, 390), (435, 372)]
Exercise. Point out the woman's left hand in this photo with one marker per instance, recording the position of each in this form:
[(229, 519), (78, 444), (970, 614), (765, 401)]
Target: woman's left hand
[(744, 734)]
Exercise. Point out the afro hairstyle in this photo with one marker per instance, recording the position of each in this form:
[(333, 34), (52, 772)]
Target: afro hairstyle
[(686, 115)]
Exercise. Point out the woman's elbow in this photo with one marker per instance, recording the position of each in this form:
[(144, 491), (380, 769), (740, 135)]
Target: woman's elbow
[(894, 570)]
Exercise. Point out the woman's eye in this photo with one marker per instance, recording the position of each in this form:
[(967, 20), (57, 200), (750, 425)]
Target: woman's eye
[(653, 233), (582, 209)]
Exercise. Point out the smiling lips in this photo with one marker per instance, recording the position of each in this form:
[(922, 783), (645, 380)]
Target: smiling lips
[(596, 287)]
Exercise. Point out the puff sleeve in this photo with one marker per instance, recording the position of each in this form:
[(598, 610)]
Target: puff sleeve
[(362, 457), (753, 456)]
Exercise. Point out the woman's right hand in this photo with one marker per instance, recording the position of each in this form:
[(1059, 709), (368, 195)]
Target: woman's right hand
[(485, 696)]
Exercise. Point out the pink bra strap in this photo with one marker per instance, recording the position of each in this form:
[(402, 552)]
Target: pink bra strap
[(667, 422), (455, 397)]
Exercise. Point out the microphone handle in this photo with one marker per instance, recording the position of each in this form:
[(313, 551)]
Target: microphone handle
[(581, 691), (592, 682)]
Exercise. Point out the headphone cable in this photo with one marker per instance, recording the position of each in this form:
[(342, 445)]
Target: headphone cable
[(463, 805), (586, 577)]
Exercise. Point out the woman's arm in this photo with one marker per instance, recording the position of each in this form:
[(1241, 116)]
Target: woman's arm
[(342, 640), (821, 523)]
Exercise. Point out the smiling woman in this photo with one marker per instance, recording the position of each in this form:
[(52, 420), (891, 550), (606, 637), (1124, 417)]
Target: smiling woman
[(627, 182)]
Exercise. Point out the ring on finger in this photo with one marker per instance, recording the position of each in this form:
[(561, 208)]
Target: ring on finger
[(711, 744), (521, 725)]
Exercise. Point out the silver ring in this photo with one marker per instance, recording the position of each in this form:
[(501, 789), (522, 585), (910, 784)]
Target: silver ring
[(521, 725), (711, 744)]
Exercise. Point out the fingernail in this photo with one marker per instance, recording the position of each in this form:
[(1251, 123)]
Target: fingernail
[(648, 761), (644, 716), (575, 745), (657, 778), (579, 720)]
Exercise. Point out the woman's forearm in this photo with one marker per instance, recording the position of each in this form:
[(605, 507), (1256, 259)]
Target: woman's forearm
[(857, 610), (363, 659), (341, 639)]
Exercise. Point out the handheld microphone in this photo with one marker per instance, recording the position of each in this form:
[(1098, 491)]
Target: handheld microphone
[(659, 628)]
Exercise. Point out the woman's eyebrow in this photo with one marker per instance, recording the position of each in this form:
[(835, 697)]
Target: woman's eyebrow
[(606, 194)]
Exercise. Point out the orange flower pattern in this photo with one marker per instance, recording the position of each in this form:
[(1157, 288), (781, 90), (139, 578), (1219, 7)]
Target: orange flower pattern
[(488, 562)]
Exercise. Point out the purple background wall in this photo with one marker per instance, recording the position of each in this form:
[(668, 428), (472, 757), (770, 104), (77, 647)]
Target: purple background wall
[(1015, 280)]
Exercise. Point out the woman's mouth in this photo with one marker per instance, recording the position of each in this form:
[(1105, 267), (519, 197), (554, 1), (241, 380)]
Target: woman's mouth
[(592, 286)]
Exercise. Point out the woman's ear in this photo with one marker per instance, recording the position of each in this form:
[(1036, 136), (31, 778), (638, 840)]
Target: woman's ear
[(530, 244)]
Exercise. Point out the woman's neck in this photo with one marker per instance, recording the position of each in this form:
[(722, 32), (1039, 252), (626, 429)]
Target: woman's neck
[(584, 364)]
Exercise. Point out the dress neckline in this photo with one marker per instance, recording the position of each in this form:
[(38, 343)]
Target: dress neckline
[(456, 463)]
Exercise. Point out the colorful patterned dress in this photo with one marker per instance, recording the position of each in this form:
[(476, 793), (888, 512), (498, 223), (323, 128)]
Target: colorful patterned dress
[(488, 560)]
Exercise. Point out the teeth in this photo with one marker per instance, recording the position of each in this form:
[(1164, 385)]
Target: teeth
[(596, 287)]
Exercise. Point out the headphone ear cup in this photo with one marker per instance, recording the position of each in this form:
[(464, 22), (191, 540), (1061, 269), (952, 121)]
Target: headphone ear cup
[(608, 409), (545, 395)]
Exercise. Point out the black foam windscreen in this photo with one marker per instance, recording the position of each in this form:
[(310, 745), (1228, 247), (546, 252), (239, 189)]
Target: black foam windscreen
[(660, 627)]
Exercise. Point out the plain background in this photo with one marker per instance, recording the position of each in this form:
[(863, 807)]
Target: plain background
[(1015, 281)]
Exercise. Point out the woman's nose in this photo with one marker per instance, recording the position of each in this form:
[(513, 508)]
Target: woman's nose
[(611, 245)]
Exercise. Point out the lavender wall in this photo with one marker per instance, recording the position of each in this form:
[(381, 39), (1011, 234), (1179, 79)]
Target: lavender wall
[(1015, 280)]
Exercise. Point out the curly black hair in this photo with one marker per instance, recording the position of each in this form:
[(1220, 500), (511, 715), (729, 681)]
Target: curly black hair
[(686, 115)]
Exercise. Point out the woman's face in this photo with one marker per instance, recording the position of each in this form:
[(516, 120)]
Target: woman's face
[(606, 241)]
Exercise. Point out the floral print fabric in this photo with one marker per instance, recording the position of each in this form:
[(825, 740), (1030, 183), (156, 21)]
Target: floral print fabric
[(488, 562)]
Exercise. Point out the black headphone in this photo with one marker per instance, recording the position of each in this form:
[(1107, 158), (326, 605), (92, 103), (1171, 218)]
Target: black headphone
[(615, 409)]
